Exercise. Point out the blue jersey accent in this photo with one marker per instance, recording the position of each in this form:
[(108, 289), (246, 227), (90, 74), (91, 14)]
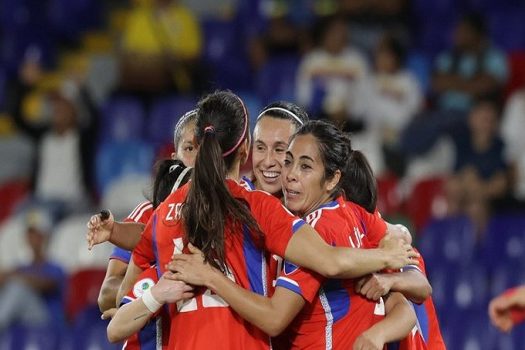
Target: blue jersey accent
[(286, 283), (249, 182), (297, 225), (422, 319), (338, 298), (154, 243), (331, 204), (121, 254), (148, 336), (255, 263), (289, 267)]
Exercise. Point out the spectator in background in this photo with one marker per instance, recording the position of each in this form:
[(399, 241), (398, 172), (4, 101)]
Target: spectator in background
[(330, 78), (394, 97), (512, 130), (481, 173), (161, 46), (63, 167), (368, 21), (470, 69), (32, 294)]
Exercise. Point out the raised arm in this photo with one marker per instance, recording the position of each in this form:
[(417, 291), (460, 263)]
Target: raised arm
[(125, 235), (306, 248)]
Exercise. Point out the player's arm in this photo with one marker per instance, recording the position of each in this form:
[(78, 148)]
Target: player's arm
[(399, 320), (111, 284), (103, 228), (410, 282), (306, 248), (271, 315), (131, 317), (132, 273)]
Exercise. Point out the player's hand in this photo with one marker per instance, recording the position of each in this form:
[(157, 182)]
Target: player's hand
[(167, 290), (109, 313), (191, 268), (374, 286), (500, 312), (398, 253), (369, 341), (99, 229)]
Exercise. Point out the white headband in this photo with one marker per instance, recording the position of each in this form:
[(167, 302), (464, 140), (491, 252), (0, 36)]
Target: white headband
[(179, 179), (294, 116)]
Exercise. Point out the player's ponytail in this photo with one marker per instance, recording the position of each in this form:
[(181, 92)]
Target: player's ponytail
[(359, 184), (222, 126)]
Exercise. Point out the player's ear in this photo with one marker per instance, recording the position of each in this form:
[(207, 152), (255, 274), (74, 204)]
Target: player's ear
[(244, 151)]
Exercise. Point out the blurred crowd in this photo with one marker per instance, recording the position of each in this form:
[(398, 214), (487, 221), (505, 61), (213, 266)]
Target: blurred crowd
[(90, 91)]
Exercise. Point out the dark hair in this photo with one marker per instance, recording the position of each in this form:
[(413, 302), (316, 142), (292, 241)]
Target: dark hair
[(222, 126), (181, 124), (476, 22), (393, 45), (285, 110), (169, 172), (357, 182)]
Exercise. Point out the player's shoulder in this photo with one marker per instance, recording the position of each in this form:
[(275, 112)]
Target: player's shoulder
[(329, 214)]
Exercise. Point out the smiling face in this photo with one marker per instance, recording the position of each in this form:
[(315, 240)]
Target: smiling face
[(186, 150), (270, 141), (303, 179)]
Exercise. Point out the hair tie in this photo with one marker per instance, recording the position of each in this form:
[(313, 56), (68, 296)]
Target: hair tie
[(290, 113), (209, 129), (243, 135)]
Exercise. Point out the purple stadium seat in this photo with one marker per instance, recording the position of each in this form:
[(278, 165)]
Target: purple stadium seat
[(507, 28), (505, 241), (276, 80), (89, 331), (225, 54), (164, 115), (70, 18), (122, 119), (26, 337), (118, 158)]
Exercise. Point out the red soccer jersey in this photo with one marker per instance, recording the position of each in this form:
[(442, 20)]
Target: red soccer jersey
[(335, 315), (206, 321), (155, 333), (140, 214), (426, 334)]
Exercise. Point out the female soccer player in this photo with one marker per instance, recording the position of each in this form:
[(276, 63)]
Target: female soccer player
[(276, 123), (233, 226), (335, 316)]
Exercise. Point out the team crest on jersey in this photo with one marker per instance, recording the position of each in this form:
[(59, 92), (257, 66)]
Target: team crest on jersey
[(141, 286)]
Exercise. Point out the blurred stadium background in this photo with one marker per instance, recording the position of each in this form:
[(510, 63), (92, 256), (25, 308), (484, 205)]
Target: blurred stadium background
[(115, 76)]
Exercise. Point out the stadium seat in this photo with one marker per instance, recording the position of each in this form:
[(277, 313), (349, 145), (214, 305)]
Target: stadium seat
[(516, 78), (424, 197), (17, 153), (507, 28), (125, 192), (68, 246), (389, 200), (82, 291), (448, 241), (116, 159), (276, 79), (164, 116), (13, 247), (504, 241), (420, 66), (89, 331), (12, 193), (71, 18), (225, 55), (26, 337), (122, 120), (435, 33)]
